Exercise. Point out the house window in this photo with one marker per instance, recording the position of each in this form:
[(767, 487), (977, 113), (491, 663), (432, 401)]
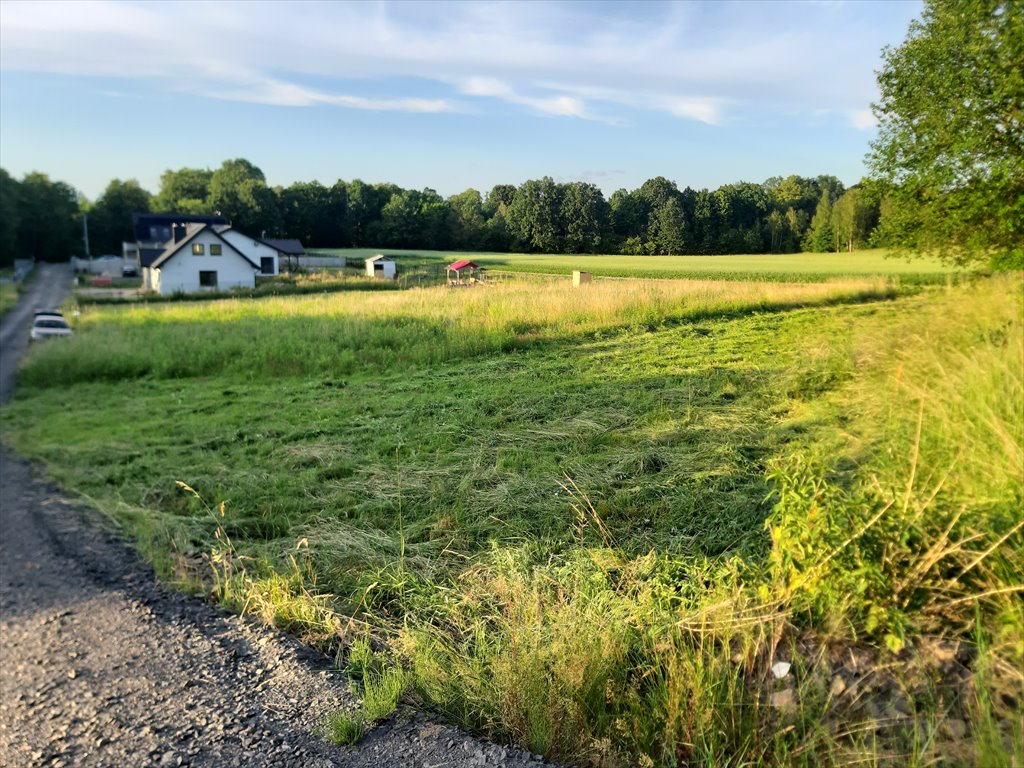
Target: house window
[(208, 279), (215, 249), (267, 265), (197, 249)]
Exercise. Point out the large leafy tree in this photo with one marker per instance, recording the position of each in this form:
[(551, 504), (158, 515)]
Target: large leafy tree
[(185, 190), (435, 216), (364, 207), (9, 197), (467, 219), (239, 191), (951, 130), (855, 215), (110, 217), (669, 228), (313, 213), (821, 237), (400, 224), (628, 215), (534, 216), (585, 215), (49, 222)]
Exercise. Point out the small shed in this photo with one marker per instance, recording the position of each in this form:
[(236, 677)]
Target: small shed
[(380, 266), (464, 273), (581, 278)]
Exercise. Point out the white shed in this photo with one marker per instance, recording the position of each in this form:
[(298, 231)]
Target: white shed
[(379, 266)]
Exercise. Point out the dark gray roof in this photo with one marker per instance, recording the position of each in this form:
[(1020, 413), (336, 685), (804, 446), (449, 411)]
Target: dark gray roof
[(289, 247), (143, 223), (148, 255)]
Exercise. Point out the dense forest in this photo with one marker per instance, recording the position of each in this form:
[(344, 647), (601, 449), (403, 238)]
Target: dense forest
[(43, 218)]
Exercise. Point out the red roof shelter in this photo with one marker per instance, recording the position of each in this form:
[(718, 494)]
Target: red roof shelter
[(466, 273)]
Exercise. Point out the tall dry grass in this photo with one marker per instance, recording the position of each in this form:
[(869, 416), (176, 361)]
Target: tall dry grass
[(338, 334)]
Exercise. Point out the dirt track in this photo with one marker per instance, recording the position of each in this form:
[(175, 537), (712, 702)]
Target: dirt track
[(100, 666)]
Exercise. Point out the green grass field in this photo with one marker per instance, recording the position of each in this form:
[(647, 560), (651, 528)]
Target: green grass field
[(791, 266), (588, 521)]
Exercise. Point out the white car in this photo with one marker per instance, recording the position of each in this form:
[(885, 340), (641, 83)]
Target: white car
[(49, 325)]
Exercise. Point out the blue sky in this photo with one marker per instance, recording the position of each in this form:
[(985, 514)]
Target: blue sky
[(445, 95)]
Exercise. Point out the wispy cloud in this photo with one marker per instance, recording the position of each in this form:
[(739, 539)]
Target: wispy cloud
[(692, 61), (559, 104), (863, 119), (285, 94)]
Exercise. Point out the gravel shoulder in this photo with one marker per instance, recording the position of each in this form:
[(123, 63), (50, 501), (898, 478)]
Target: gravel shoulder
[(101, 666)]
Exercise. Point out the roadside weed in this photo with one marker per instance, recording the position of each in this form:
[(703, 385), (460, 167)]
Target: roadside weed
[(381, 692), (345, 729)]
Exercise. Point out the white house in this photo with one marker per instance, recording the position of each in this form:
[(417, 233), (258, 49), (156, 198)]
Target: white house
[(379, 266), (198, 258), (257, 251)]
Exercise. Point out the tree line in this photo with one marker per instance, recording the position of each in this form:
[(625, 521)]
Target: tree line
[(43, 218)]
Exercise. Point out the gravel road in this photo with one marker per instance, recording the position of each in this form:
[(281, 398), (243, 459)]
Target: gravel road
[(100, 666)]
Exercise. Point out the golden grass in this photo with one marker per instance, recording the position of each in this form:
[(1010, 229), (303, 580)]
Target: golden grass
[(530, 303)]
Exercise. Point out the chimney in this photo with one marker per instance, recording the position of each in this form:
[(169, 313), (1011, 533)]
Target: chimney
[(179, 232)]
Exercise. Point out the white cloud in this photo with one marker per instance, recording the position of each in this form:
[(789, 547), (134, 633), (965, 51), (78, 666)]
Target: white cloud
[(695, 61), (705, 110), (863, 119), (284, 94), (487, 86), (561, 105)]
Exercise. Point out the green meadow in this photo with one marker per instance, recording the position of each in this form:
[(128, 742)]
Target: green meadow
[(591, 521), (805, 267)]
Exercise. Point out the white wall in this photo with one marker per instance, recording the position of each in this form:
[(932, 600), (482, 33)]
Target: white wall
[(181, 271), (254, 249), (387, 271), (100, 266)]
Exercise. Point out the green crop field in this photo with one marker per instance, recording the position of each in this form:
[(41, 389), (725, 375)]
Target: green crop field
[(590, 521), (789, 266)]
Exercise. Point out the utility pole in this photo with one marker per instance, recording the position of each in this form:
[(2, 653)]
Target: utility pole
[(85, 235)]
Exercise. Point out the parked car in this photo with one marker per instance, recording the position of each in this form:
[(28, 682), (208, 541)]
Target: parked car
[(49, 325), (129, 270)]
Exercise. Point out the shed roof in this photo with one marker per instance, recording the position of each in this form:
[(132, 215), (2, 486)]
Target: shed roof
[(379, 257), (287, 247), (459, 265)]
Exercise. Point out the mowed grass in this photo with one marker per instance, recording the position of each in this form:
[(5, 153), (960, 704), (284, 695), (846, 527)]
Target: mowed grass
[(589, 522), (804, 267)]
